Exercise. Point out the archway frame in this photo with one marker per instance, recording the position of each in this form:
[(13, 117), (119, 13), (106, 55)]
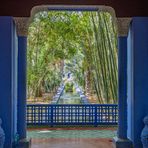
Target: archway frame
[(122, 25), (22, 23)]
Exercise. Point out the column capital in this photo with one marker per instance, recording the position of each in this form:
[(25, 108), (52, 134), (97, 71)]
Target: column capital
[(22, 24), (123, 25)]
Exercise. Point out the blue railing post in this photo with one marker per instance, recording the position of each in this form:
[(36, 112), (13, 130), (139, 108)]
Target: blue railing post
[(51, 115), (96, 123)]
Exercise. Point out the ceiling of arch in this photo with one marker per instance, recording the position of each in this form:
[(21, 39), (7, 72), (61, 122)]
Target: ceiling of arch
[(123, 8)]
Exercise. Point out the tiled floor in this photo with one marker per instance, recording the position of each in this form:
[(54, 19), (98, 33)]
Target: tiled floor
[(41, 134), (72, 143), (71, 137)]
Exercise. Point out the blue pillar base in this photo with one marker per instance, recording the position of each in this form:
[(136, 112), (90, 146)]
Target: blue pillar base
[(23, 143), (122, 143)]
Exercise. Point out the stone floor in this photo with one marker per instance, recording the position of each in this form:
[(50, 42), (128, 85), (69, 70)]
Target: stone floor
[(71, 137)]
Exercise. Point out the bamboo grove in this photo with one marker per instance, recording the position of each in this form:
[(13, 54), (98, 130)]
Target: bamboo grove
[(84, 43)]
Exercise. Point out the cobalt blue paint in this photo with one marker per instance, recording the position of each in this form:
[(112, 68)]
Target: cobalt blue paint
[(70, 8), (122, 87), (14, 61), (137, 78), (130, 83), (72, 114), (144, 133), (58, 95), (8, 74), (22, 43), (2, 135)]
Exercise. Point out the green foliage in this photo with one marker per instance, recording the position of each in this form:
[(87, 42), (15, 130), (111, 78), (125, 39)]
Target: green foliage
[(69, 87), (86, 42)]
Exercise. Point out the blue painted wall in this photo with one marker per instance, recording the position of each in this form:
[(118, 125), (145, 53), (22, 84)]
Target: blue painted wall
[(8, 78), (137, 78), (122, 87), (14, 65), (130, 82), (22, 46)]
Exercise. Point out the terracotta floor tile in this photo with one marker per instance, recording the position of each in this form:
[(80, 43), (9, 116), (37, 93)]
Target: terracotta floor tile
[(72, 143)]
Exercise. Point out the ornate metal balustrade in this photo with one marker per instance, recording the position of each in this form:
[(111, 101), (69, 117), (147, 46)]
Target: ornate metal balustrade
[(56, 114)]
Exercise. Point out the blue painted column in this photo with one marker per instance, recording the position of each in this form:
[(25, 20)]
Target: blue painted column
[(122, 87), (121, 141), (137, 78), (22, 45), (8, 79)]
